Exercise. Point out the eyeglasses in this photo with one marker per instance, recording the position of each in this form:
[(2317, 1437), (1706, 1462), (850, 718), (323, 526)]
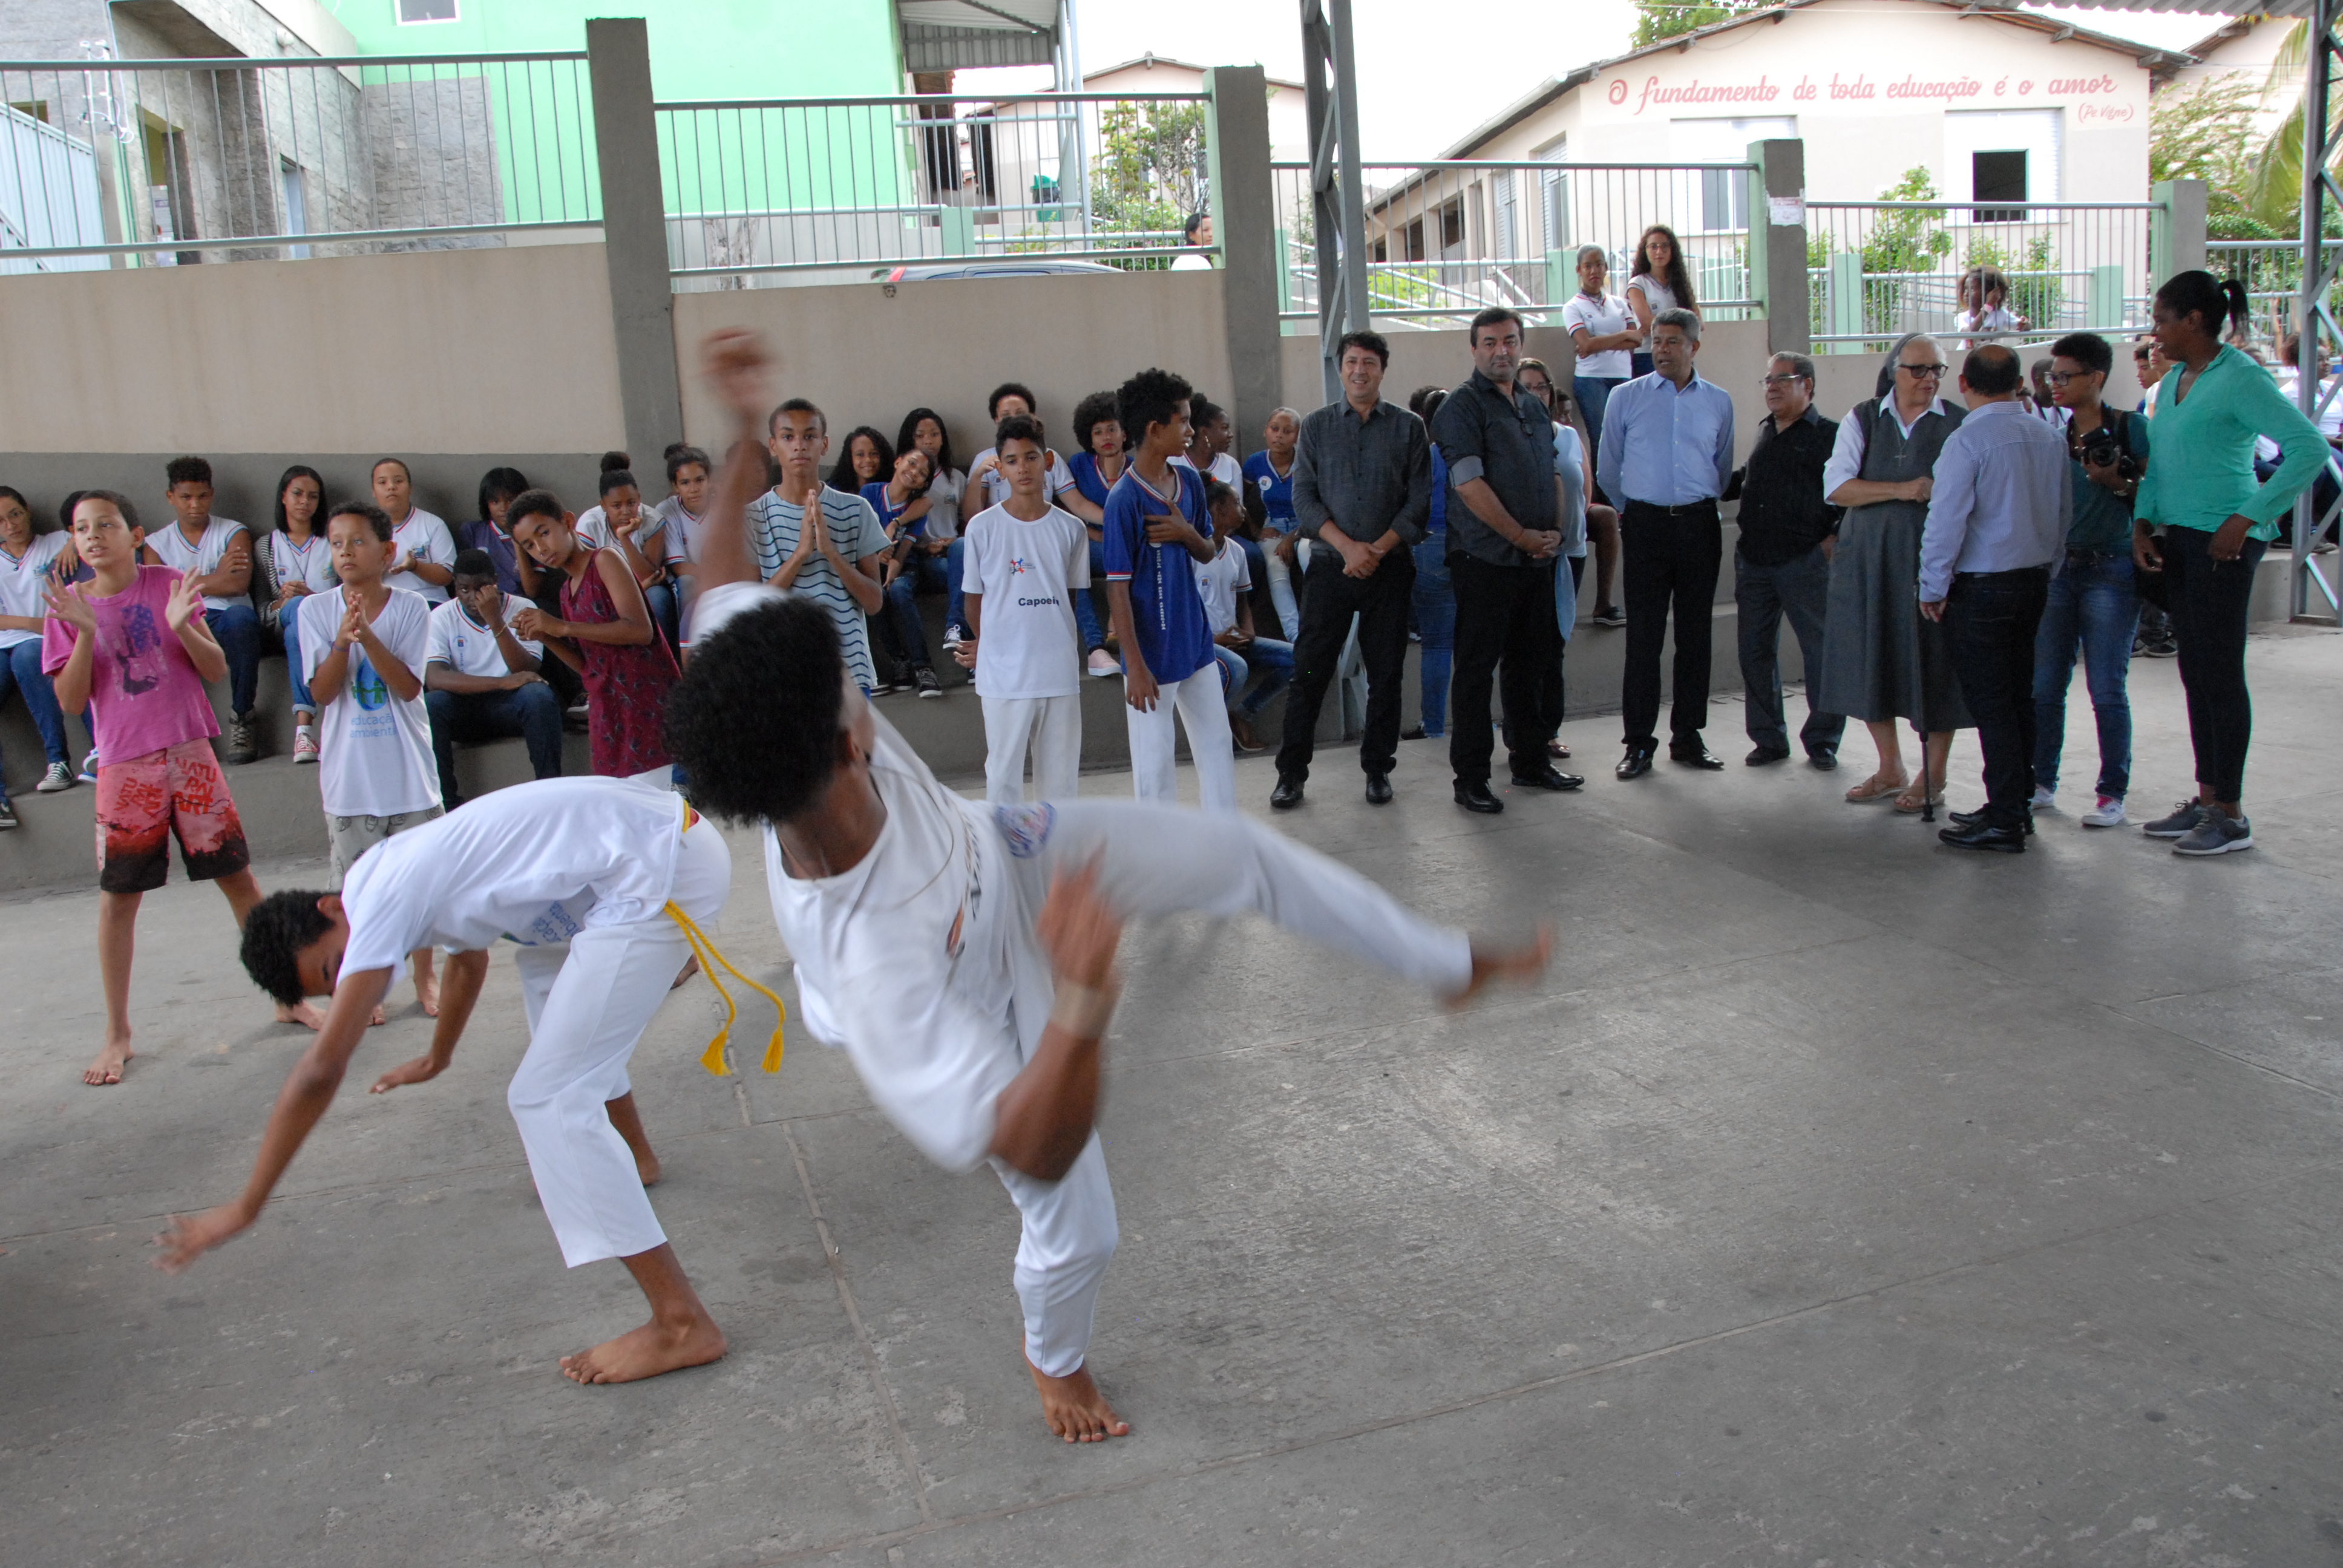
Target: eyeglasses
[(1780, 381), (1924, 372), (2061, 377)]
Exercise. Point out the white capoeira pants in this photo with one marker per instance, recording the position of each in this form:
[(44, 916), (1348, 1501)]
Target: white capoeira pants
[(1154, 861), (1052, 726), (587, 1004), (1203, 712)]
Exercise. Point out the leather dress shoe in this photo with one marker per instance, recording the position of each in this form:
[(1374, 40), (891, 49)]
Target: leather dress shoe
[(1551, 778), (1977, 836), (1286, 796), (1824, 762), (1696, 755), (1761, 754), (1636, 763), (1476, 798), (1378, 789), (1977, 820)]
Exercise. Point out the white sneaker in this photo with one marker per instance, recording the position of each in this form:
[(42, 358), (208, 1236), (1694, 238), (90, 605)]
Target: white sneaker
[(60, 776), (305, 744), (954, 636), (1103, 664), (2044, 800), (2107, 813)]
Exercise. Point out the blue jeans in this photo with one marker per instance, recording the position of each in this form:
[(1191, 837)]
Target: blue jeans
[(533, 712), (924, 571), (236, 630), (1594, 394), (1090, 617), (659, 599), (1435, 603), (2092, 605), (20, 670), (1272, 660)]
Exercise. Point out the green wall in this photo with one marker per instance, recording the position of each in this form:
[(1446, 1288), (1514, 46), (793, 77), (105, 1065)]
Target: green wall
[(699, 48)]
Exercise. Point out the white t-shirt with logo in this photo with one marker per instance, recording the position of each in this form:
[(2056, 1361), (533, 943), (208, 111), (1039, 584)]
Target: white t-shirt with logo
[(467, 647), (24, 582), (1657, 295), (653, 539), (1601, 319), (201, 559), (309, 562), (995, 485), (534, 864), (426, 537), (1224, 469), (1027, 642), (374, 750), (1218, 583)]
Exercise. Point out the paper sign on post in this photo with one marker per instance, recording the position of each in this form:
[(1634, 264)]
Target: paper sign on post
[(1786, 212)]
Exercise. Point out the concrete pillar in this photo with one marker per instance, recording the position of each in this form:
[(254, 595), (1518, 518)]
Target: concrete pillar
[(1244, 226), (2176, 235), (1777, 251), (634, 234)]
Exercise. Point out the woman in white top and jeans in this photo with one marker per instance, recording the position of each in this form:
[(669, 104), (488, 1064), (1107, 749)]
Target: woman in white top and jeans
[(1657, 281), (1605, 332)]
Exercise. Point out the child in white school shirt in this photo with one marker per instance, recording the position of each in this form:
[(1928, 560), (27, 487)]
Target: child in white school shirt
[(1025, 560), (363, 649)]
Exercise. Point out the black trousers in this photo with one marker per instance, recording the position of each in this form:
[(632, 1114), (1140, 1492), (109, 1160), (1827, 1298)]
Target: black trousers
[(1669, 564), (1504, 614), (1991, 619), (2209, 601), (1328, 599)]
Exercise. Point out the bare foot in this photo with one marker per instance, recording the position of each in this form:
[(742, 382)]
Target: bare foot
[(378, 1020), (1492, 965), (690, 968), (647, 1352), (1074, 1409), (305, 1013), (426, 992), (111, 1060)]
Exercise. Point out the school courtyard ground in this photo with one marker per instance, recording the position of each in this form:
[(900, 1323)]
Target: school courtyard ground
[(1837, 1199)]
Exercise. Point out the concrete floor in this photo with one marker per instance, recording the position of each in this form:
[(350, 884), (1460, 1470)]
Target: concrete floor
[(1837, 1200)]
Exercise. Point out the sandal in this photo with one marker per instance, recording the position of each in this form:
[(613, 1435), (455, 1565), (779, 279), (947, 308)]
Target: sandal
[(1925, 803), (1876, 788)]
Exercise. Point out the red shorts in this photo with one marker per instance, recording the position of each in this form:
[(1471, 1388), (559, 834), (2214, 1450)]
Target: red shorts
[(179, 790)]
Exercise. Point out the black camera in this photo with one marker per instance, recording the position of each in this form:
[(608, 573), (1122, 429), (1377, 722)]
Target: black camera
[(2100, 448)]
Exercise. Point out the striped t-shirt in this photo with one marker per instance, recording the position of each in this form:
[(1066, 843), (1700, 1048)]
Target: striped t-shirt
[(773, 530)]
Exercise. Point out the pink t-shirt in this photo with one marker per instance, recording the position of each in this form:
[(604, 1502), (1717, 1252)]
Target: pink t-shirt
[(143, 692)]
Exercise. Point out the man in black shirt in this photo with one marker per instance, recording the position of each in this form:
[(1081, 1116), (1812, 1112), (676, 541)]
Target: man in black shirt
[(1783, 562)]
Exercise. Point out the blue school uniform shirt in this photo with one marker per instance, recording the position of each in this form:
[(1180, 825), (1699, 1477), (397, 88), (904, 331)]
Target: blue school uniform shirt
[(1276, 494), (1083, 466), (875, 492), (1166, 611)]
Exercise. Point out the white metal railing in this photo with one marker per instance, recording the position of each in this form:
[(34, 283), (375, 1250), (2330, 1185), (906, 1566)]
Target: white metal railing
[(1451, 236), (758, 190), (1877, 269), (2271, 270), (166, 161)]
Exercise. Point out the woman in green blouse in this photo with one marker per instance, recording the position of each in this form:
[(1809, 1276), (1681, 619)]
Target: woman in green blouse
[(2215, 402)]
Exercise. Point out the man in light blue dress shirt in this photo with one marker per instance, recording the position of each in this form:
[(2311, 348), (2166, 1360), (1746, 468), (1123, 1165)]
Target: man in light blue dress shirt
[(1666, 456), (1998, 519)]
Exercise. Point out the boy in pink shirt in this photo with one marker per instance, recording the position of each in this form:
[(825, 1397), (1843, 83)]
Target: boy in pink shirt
[(131, 643)]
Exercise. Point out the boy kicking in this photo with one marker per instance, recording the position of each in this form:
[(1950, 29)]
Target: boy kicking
[(598, 882), (131, 645), (987, 1049), (1025, 561)]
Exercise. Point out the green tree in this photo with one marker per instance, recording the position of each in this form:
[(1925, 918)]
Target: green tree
[(2207, 133), (1658, 19), (1901, 243), (1147, 174)]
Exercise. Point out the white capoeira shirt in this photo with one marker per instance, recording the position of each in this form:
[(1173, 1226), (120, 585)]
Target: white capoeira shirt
[(534, 864)]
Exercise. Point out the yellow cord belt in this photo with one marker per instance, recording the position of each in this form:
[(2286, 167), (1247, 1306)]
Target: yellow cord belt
[(704, 949)]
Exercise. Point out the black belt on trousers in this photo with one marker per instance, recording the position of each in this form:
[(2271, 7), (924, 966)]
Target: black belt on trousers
[(2013, 575), (1702, 509)]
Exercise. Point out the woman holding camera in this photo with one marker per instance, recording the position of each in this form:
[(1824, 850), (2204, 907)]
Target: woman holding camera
[(2094, 605), (2214, 404)]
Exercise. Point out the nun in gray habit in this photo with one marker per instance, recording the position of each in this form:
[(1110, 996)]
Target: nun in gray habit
[(1882, 660)]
